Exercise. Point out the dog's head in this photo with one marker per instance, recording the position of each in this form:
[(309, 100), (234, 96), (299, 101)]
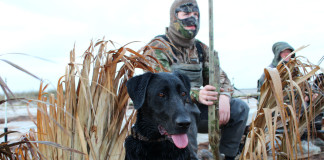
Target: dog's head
[(164, 98)]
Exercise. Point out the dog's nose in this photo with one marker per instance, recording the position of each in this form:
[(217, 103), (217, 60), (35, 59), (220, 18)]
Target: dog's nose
[(183, 123)]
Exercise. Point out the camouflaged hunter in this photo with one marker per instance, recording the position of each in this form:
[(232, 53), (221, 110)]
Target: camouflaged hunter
[(178, 50)]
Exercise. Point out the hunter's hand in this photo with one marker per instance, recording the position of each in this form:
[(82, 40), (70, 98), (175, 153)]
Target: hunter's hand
[(208, 95)]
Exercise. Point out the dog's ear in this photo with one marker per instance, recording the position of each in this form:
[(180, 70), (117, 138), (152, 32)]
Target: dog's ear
[(136, 88), (185, 79)]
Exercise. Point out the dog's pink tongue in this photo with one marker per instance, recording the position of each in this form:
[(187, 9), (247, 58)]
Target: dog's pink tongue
[(180, 140)]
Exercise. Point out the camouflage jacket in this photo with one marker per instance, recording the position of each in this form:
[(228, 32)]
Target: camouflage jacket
[(162, 51)]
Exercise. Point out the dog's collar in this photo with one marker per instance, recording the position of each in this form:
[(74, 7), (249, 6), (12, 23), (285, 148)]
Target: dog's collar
[(138, 136)]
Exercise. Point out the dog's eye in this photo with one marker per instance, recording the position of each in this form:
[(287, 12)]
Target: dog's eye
[(161, 94), (183, 94)]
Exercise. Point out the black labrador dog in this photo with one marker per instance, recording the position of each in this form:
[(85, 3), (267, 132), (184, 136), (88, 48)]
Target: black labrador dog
[(166, 124)]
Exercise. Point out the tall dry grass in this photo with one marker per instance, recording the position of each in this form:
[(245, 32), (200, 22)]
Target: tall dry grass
[(88, 119), (281, 106)]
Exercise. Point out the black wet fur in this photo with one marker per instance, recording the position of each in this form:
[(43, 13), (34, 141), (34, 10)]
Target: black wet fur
[(172, 109)]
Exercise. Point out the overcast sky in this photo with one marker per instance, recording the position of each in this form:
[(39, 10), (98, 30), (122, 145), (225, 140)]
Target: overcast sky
[(244, 33)]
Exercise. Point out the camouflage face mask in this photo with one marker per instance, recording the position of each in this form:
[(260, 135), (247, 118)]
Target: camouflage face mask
[(179, 24)]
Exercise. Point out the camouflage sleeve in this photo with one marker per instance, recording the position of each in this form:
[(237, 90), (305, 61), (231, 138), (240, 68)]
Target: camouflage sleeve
[(225, 84), (161, 51), (194, 94)]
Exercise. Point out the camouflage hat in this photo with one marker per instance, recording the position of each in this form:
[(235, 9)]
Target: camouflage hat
[(277, 48), (176, 27)]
